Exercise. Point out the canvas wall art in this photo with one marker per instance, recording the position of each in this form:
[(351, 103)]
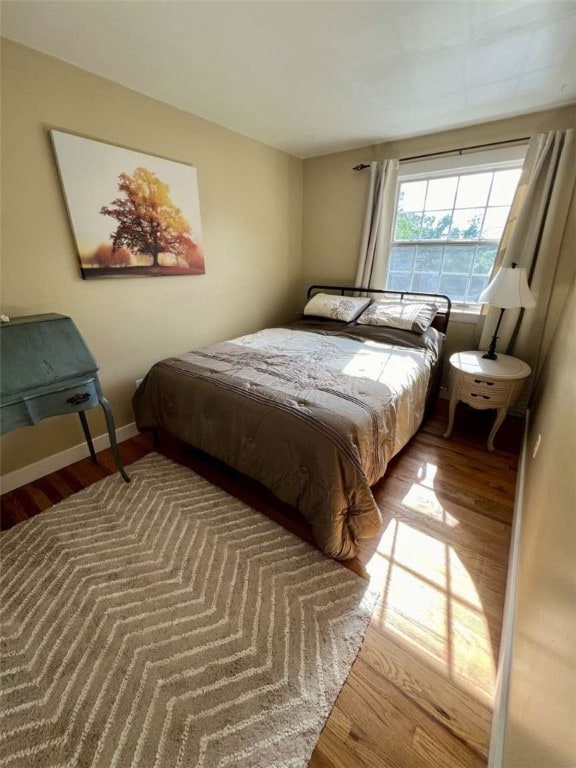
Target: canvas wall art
[(130, 213)]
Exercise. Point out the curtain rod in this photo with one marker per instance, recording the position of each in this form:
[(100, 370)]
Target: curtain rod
[(361, 166)]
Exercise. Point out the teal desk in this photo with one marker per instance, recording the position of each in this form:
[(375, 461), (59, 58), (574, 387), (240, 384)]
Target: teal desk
[(46, 369)]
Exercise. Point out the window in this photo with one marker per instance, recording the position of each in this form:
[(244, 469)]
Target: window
[(447, 230)]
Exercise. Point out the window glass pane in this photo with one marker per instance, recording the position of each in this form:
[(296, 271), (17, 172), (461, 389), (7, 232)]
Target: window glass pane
[(484, 259), (447, 231), (440, 194), (494, 223), (426, 282), (408, 226), (466, 224), (473, 190), (458, 259), (428, 258), (399, 281), (411, 197), (475, 288), (454, 286), (402, 258), (504, 186), (435, 226)]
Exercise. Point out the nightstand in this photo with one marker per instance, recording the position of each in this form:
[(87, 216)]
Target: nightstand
[(484, 384)]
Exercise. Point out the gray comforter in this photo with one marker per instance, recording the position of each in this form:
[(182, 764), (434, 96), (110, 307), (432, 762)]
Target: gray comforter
[(314, 415)]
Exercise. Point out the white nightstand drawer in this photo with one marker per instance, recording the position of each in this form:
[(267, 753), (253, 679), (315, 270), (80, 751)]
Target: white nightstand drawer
[(466, 383), (481, 393), (487, 385), (484, 399)]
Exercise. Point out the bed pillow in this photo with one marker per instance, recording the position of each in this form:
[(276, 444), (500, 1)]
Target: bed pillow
[(408, 316), (342, 308)]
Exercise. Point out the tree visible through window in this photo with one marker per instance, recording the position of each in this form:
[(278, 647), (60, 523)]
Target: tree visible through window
[(447, 231)]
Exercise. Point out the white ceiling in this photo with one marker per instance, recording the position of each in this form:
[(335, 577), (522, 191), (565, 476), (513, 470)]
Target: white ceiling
[(315, 77)]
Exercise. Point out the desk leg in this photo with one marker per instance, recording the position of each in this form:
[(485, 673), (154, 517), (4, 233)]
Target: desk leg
[(112, 435), (500, 416), (87, 435)]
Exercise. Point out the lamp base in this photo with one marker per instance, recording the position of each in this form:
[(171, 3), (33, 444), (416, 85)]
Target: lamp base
[(490, 355)]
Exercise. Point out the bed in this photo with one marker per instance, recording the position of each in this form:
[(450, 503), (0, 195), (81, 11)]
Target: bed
[(313, 410)]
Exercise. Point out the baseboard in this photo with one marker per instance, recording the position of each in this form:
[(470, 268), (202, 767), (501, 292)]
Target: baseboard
[(499, 716), (31, 472)]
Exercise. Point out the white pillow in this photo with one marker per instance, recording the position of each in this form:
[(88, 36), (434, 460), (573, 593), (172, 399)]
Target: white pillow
[(406, 315), (344, 308)]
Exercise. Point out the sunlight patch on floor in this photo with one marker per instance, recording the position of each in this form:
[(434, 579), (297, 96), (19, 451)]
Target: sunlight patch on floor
[(430, 601), (422, 498), (416, 611)]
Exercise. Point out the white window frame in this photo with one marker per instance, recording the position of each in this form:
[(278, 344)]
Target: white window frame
[(499, 159)]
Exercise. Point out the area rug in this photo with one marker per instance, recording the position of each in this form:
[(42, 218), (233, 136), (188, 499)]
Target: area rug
[(163, 624)]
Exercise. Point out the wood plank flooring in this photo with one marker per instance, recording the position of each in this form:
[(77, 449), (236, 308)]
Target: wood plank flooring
[(420, 692)]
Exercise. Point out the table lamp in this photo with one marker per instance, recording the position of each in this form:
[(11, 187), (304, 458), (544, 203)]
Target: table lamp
[(508, 290)]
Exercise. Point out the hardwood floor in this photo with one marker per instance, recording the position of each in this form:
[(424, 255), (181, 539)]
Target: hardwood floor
[(420, 692)]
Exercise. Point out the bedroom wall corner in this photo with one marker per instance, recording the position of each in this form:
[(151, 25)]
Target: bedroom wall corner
[(251, 208)]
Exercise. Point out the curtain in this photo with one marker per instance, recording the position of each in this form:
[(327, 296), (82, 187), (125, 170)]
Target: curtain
[(532, 239), (377, 232)]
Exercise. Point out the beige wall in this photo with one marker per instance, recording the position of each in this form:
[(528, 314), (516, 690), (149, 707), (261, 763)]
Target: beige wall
[(251, 206), (541, 715), (334, 197)]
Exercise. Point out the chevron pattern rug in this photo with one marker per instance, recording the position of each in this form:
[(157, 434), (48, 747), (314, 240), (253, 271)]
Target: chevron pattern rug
[(164, 624)]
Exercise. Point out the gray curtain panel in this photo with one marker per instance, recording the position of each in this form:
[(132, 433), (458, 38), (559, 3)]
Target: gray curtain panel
[(378, 221)]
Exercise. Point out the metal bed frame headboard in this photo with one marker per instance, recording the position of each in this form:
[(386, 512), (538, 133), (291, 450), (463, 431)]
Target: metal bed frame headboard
[(440, 321)]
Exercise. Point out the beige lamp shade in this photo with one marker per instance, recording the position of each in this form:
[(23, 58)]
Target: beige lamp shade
[(508, 289)]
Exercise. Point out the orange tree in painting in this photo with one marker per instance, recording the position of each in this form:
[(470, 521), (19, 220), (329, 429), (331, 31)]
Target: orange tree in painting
[(148, 221)]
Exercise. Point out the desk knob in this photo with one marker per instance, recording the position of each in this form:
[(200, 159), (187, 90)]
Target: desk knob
[(78, 399)]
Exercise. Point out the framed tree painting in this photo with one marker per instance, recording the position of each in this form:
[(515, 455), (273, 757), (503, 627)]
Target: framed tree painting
[(130, 213)]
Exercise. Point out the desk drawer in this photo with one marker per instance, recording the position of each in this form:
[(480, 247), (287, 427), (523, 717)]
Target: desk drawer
[(70, 400), (13, 416)]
